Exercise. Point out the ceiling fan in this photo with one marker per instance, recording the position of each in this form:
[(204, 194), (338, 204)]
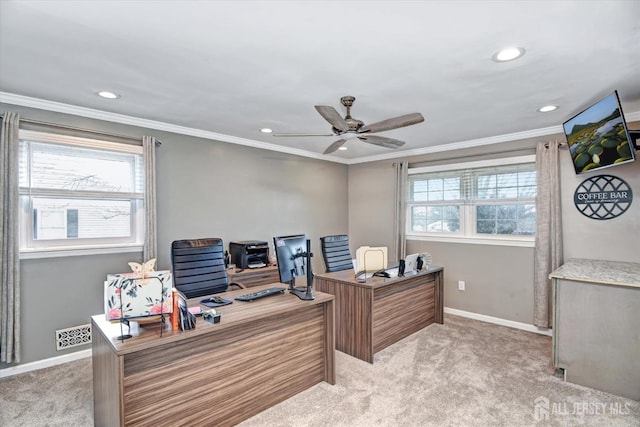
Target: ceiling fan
[(349, 128)]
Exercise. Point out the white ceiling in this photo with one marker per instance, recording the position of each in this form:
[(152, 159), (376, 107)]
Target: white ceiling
[(228, 68)]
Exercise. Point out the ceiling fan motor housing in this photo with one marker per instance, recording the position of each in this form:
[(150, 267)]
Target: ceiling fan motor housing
[(354, 124)]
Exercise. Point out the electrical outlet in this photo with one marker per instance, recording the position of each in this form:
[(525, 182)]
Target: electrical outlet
[(461, 285)]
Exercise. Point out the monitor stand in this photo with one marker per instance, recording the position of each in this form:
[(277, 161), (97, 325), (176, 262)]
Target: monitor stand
[(302, 292)]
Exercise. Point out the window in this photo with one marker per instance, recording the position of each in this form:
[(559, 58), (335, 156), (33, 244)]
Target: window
[(478, 200), (78, 193)]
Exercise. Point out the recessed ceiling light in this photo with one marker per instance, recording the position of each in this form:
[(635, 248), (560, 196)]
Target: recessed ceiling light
[(108, 95), (266, 130), (508, 54), (342, 148), (547, 108)]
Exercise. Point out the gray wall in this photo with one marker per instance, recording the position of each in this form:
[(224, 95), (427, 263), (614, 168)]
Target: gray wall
[(616, 239), (371, 196), (498, 279), (205, 189), (214, 189)]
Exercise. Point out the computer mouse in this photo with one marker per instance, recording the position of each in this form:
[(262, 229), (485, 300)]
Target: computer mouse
[(217, 300)]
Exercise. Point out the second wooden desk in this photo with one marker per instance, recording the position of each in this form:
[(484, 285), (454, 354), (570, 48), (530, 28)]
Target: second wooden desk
[(373, 315)]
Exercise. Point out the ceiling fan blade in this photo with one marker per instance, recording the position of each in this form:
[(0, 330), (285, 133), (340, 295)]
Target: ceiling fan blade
[(332, 116), (333, 147), (302, 134), (394, 123), (382, 141)]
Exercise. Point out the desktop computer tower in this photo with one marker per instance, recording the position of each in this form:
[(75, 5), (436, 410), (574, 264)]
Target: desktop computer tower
[(249, 253)]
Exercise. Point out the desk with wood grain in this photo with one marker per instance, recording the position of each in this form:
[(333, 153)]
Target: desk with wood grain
[(261, 353), (373, 315)]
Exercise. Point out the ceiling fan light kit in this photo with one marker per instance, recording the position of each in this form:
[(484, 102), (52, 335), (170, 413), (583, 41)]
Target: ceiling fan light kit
[(349, 128)]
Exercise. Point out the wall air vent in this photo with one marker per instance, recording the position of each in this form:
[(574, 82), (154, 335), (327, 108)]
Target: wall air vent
[(72, 337)]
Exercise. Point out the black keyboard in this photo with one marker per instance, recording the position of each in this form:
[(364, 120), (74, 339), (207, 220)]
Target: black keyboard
[(260, 294)]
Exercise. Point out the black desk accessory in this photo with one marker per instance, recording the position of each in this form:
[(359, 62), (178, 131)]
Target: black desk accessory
[(186, 319), (215, 301), (382, 273), (401, 267), (124, 336)]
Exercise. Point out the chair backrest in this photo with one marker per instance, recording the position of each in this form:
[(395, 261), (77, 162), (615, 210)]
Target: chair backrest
[(336, 254), (198, 267)]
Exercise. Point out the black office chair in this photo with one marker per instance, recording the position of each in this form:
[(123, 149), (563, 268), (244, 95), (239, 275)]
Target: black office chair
[(336, 254), (198, 267)]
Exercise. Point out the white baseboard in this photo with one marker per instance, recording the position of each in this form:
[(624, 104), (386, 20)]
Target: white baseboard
[(498, 321), (45, 363)]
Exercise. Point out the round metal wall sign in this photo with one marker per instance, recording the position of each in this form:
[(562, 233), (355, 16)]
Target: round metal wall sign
[(603, 197)]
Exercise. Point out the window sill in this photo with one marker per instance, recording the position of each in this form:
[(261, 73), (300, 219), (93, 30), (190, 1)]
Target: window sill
[(76, 251), (518, 242)]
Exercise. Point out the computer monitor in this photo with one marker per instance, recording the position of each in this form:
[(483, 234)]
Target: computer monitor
[(294, 260)]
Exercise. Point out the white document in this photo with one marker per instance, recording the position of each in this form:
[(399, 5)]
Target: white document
[(410, 263), (371, 259)]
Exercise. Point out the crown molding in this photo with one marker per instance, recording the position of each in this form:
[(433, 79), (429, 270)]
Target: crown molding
[(59, 107), (533, 133), (43, 104)]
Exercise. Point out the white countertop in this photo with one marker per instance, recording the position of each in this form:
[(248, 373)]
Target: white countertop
[(596, 271)]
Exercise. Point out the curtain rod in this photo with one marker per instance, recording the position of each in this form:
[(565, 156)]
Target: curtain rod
[(531, 150), (561, 145), (77, 129)]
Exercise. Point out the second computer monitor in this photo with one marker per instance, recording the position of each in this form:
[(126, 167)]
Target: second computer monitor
[(291, 254)]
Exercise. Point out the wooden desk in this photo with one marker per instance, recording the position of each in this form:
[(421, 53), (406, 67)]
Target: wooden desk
[(260, 354), (373, 315), (251, 277)]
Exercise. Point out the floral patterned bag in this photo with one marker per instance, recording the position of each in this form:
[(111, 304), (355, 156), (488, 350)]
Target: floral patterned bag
[(127, 295)]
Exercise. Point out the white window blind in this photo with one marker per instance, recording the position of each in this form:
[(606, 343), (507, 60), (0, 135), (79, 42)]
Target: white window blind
[(485, 202), (79, 193)]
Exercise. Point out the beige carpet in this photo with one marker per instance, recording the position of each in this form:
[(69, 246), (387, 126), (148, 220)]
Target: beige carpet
[(462, 373)]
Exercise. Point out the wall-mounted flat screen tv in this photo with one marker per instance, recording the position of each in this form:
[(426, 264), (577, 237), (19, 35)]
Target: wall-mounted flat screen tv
[(598, 136)]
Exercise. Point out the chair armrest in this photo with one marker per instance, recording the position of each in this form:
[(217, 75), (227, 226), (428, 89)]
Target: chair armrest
[(239, 285)]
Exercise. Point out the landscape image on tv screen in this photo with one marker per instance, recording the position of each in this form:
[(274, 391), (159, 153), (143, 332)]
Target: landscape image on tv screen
[(598, 136)]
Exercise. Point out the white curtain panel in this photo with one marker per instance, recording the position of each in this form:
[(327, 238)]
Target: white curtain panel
[(548, 250), (399, 221), (10, 260), (150, 240)]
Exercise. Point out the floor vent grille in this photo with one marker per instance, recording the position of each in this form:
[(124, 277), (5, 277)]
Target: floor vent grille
[(72, 337)]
